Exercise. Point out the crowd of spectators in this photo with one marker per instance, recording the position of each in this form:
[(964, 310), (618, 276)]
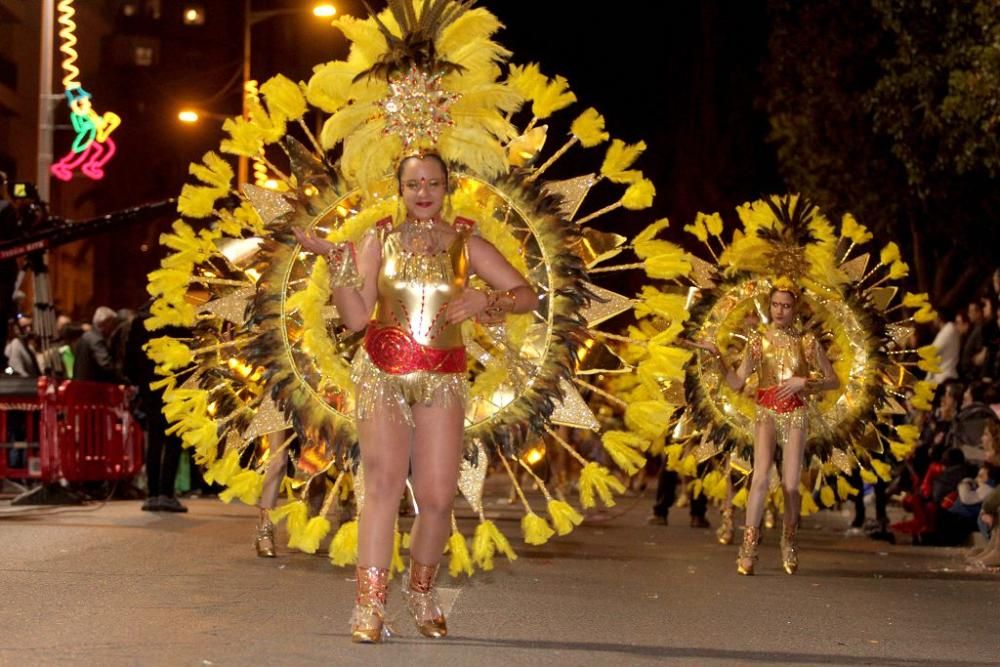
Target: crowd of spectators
[(106, 349), (950, 483)]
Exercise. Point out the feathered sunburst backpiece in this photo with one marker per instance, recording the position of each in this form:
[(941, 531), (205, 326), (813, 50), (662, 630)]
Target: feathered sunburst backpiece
[(847, 301), (266, 368)]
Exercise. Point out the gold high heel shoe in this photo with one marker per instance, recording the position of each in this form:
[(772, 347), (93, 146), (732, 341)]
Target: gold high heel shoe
[(368, 617), (422, 601), (789, 550), (265, 537), (725, 531), (748, 551)]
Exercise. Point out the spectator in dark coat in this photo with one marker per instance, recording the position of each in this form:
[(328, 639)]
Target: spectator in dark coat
[(92, 358)]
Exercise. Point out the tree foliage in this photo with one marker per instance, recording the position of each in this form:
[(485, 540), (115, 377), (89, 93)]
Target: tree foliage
[(890, 109)]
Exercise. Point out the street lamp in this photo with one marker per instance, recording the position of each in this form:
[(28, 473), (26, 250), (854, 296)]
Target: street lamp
[(190, 115), (250, 19)]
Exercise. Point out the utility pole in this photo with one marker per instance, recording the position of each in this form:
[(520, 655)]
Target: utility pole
[(46, 100)]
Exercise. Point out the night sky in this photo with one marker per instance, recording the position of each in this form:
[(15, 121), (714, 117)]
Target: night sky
[(687, 86)]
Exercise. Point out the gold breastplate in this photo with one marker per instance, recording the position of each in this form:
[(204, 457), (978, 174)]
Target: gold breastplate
[(782, 356), (414, 290)]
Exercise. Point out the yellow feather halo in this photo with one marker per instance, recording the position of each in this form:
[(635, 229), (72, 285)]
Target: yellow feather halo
[(264, 371), (786, 243)]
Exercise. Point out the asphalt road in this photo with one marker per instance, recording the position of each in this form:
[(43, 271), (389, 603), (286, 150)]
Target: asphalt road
[(111, 585)]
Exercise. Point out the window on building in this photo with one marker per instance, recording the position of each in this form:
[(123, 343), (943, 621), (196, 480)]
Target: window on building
[(143, 56)]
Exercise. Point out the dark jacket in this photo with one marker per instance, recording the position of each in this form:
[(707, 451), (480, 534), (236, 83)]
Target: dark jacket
[(93, 360)]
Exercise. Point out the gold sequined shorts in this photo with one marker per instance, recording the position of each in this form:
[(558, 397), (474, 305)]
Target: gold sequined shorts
[(374, 387), (784, 422)]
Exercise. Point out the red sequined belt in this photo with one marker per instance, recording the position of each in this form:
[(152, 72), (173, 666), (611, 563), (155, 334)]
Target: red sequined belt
[(394, 351), (768, 398)]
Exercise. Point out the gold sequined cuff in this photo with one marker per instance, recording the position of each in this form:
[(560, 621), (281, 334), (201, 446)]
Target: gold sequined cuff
[(498, 304), (343, 266)]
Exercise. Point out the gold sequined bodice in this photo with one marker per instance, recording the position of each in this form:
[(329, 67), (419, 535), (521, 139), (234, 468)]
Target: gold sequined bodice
[(415, 288), (781, 355)]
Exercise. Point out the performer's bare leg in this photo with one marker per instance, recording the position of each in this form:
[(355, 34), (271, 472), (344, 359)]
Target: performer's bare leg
[(763, 455), (273, 476), (437, 454), (791, 474), (385, 454)]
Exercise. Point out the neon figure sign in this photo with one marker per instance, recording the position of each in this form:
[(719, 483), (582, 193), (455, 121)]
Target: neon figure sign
[(93, 145)]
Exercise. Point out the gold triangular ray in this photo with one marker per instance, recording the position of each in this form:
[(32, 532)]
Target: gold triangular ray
[(899, 376), (601, 359), (702, 272), (233, 442), (572, 410), (614, 304), (270, 205), (870, 440), (230, 308), (193, 381), (842, 460), (740, 464), (899, 333), (472, 478), (573, 192), (705, 450), (267, 420), (596, 246), (881, 297), (855, 268), (893, 407), (523, 150), (673, 393)]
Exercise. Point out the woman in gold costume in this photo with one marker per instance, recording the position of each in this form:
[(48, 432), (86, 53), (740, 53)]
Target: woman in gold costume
[(408, 288), (790, 366)]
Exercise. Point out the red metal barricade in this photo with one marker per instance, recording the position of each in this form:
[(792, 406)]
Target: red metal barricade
[(74, 431)]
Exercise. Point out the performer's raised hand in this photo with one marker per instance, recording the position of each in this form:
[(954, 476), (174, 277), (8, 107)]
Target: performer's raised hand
[(313, 242), (706, 345)]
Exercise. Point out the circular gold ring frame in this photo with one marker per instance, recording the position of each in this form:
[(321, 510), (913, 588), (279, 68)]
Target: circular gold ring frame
[(505, 219), (741, 306)]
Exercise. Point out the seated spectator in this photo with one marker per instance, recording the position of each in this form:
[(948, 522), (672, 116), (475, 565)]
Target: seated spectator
[(988, 520), (961, 518), (968, 425)]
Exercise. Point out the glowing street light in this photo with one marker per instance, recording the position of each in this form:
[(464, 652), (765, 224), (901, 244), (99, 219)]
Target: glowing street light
[(324, 11), (193, 115)]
